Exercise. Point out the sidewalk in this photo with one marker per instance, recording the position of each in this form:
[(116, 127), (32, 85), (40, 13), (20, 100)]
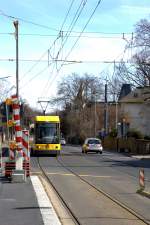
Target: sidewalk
[(141, 156), (25, 203), (18, 204)]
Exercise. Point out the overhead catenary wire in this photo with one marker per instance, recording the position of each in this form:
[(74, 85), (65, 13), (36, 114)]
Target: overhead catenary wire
[(78, 38), (36, 75), (12, 17), (39, 60), (86, 34), (110, 62), (43, 70), (107, 62), (56, 60), (116, 62), (47, 84), (72, 24), (33, 23), (75, 61), (64, 61), (46, 87), (67, 14), (74, 20), (82, 31)]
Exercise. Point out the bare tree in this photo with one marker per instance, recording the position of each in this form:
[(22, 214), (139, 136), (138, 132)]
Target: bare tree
[(78, 90), (4, 89), (75, 93), (138, 72)]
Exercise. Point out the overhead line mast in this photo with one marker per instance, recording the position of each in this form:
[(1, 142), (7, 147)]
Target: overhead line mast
[(17, 59)]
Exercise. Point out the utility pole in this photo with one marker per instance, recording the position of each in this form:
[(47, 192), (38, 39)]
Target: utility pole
[(106, 111), (18, 174), (17, 58), (95, 113)]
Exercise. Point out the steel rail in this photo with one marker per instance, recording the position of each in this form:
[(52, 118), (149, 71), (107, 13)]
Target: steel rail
[(105, 194), (75, 219), (107, 157), (126, 163)]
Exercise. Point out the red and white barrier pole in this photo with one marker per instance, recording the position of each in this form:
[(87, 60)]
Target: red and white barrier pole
[(25, 144), (11, 152), (141, 179), (18, 132)]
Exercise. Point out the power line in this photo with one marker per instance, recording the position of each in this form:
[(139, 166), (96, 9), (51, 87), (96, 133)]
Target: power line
[(78, 38), (46, 87), (74, 21), (37, 74), (82, 31), (12, 17), (26, 21), (75, 18), (70, 61), (66, 36), (67, 14), (39, 60), (55, 35)]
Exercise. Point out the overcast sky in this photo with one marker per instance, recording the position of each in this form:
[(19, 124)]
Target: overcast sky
[(40, 22)]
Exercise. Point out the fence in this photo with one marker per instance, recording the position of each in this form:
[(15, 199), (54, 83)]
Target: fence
[(132, 145)]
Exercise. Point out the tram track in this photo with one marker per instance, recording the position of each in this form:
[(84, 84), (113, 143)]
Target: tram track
[(75, 219), (74, 153), (100, 191)]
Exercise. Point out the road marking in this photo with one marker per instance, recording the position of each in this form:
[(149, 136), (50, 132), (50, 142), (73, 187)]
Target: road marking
[(48, 213), (81, 175), (95, 176), (36, 172), (61, 174)]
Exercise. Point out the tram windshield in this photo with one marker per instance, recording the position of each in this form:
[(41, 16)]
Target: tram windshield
[(47, 133)]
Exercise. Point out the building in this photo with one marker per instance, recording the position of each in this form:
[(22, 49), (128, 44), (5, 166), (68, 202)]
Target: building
[(135, 109)]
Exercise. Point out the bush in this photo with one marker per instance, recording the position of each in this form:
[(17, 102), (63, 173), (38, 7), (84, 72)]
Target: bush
[(75, 140), (134, 133), (113, 133), (146, 137)]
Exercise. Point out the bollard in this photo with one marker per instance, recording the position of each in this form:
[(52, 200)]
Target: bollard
[(141, 179)]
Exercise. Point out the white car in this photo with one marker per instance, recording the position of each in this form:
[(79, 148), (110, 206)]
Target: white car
[(63, 141), (92, 145)]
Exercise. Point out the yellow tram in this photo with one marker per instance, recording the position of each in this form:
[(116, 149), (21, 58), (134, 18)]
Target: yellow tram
[(46, 138)]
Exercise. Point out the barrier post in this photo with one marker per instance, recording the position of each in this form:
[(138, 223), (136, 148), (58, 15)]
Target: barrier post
[(141, 179), (18, 175), (26, 152)]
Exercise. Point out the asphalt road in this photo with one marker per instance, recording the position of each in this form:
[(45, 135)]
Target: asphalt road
[(114, 173)]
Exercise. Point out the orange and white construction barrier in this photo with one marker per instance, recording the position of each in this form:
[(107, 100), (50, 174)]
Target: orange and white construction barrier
[(141, 179)]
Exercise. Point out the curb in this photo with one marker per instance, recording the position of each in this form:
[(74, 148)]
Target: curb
[(143, 193)]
